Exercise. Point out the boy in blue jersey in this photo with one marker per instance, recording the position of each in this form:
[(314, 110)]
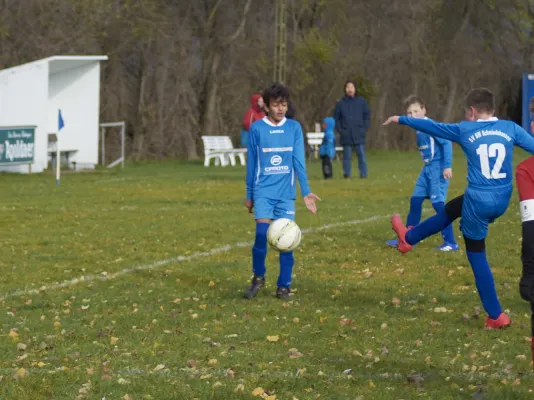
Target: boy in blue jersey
[(276, 154), (488, 144), (433, 181)]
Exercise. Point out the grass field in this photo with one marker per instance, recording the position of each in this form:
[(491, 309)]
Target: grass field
[(164, 252)]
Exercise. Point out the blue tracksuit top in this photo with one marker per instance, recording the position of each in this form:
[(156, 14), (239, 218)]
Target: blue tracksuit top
[(275, 155), (434, 149), (488, 146)]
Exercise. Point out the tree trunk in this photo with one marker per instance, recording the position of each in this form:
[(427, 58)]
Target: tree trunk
[(210, 109), (451, 98)]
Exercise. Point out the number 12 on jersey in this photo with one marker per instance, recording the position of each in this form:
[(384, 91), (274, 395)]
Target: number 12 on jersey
[(494, 150)]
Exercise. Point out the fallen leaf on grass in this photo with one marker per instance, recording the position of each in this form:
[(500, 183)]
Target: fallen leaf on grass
[(159, 367), (273, 338), (211, 284), (258, 392), (19, 373), (294, 353)]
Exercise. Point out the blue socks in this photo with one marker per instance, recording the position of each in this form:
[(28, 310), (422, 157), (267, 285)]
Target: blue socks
[(428, 227), (447, 233), (286, 269), (259, 253), (485, 283), (416, 208)]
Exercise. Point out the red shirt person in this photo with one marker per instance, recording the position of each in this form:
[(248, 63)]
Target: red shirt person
[(253, 114)]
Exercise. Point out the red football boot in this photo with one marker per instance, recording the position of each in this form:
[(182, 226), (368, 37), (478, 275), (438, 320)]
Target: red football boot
[(400, 230), (502, 322)]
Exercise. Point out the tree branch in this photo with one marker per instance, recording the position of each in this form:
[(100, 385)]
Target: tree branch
[(241, 26)]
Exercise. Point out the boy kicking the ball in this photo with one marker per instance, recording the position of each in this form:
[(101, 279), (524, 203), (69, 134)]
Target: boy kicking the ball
[(488, 144), (275, 156)]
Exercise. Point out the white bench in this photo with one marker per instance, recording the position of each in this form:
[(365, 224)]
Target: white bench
[(221, 149), (315, 139)]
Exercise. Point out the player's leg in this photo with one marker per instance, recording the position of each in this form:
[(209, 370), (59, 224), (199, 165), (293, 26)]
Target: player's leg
[(263, 214), (347, 158), (416, 205), (439, 186), (427, 228), (285, 209), (525, 187), (479, 209), (420, 193), (327, 167), (362, 160), (485, 283)]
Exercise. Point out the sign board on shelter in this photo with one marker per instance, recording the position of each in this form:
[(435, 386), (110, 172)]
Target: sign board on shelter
[(17, 145)]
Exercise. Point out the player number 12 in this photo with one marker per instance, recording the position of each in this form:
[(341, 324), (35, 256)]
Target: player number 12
[(494, 150)]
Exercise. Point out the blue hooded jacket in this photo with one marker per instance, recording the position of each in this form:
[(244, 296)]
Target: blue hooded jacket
[(328, 147)]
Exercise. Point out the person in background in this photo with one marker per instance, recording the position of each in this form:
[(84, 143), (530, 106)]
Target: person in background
[(327, 151), (353, 118), (254, 113), (291, 111)]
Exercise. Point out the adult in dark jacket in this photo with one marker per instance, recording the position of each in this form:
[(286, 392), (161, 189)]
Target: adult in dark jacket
[(352, 117), (291, 111)]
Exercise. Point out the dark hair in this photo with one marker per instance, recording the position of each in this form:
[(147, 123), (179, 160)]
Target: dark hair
[(275, 92), (481, 99), (413, 99)]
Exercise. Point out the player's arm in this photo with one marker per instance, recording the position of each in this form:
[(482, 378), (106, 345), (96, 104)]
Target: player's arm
[(524, 140), (252, 165), (446, 146), (299, 163), (436, 129)]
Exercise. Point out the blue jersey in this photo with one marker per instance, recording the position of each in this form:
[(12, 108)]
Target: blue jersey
[(488, 146), (275, 155), (434, 149)]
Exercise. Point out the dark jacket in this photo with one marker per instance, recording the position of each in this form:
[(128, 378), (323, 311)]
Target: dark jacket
[(291, 111), (353, 118)]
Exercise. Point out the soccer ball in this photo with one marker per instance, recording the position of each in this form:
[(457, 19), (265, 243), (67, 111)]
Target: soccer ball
[(283, 235)]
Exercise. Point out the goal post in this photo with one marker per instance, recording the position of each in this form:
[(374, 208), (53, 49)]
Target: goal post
[(103, 128)]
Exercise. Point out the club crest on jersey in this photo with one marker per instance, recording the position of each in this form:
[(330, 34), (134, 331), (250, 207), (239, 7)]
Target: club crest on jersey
[(276, 160), (276, 168)]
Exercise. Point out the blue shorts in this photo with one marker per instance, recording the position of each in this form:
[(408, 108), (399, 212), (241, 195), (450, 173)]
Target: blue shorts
[(431, 184), (274, 209), (480, 208)]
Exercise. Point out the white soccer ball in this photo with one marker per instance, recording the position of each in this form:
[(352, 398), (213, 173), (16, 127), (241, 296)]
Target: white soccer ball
[(283, 235)]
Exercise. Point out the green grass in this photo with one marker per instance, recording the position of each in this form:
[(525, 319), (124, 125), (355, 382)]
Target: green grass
[(130, 333)]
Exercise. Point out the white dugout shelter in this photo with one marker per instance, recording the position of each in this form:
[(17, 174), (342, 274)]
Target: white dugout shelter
[(31, 96)]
